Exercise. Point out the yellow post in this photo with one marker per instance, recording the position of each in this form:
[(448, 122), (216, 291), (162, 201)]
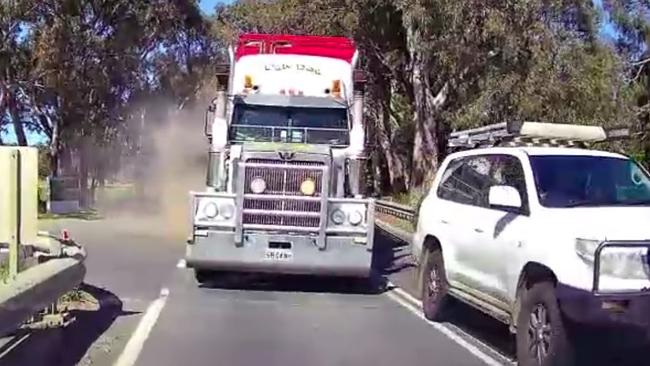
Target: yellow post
[(14, 213), (18, 200)]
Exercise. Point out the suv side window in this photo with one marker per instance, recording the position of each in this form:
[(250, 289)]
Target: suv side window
[(508, 171), (467, 181)]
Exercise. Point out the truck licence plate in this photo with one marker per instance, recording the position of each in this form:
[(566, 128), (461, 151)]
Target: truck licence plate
[(278, 254)]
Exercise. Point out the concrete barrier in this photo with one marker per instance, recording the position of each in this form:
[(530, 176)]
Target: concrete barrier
[(36, 288)]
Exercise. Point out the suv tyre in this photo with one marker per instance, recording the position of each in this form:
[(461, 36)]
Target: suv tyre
[(434, 285), (541, 335)]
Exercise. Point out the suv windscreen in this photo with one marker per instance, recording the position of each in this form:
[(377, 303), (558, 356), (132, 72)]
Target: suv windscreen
[(290, 124), (576, 181)]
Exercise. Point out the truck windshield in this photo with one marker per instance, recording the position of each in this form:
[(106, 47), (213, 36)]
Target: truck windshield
[(584, 181), (290, 124)]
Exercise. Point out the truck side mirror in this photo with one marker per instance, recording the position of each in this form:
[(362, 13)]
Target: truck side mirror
[(207, 130), (219, 134)]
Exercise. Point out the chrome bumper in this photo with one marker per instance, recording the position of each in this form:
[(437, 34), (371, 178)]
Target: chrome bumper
[(344, 256)]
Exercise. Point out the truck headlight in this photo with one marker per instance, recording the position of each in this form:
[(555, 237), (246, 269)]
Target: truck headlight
[(258, 185), (227, 210), (338, 217), (308, 187), (355, 218), (210, 210), (213, 210), (348, 214)]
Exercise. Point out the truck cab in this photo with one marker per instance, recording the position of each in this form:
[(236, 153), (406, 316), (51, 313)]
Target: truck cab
[(284, 191)]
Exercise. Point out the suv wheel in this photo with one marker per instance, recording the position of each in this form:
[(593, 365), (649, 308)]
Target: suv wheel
[(541, 335), (434, 285)]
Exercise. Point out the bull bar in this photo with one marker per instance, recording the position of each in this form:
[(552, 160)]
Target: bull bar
[(597, 262)]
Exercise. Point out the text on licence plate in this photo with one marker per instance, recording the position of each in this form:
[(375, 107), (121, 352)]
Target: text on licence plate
[(278, 254)]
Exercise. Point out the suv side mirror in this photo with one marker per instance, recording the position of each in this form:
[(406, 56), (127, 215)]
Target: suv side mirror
[(504, 196)]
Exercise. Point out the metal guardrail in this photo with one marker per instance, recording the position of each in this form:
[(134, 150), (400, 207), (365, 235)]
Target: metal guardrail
[(396, 210)]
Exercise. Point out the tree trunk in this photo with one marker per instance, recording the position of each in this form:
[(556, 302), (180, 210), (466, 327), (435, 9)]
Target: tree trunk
[(430, 136), (376, 173), (54, 150), (429, 140), (396, 167), (19, 129), (83, 174)]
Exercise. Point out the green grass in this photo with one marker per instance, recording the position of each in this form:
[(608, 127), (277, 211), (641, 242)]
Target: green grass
[(115, 193), (72, 296), (88, 215), (411, 198), (397, 222), (4, 271)]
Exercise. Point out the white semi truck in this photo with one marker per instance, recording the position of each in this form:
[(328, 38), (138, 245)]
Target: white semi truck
[(287, 150)]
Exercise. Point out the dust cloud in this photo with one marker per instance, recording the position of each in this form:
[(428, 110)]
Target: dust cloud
[(172, 162)]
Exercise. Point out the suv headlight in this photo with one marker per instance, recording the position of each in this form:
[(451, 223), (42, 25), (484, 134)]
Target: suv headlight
[(618, 262), (586, 249)]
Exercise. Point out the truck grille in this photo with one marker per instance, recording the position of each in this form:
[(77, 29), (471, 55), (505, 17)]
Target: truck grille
[(283, 180)]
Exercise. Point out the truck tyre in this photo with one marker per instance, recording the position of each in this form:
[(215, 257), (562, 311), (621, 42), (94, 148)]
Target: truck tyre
[(434, 285), (541, 336), (202, 276)]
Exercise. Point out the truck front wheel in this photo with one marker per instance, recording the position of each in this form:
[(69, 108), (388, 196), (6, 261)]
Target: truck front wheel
[(541, 336)]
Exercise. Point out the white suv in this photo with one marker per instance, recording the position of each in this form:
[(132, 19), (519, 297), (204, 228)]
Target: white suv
[(527, 234)]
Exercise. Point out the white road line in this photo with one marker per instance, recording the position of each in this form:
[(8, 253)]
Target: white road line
[(133, 348), (181, 263), (486, 358), (405, 294), (14, 343)]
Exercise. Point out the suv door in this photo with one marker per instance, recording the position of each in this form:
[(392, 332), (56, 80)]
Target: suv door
[(462, 193), (502, 232), (507, 228)]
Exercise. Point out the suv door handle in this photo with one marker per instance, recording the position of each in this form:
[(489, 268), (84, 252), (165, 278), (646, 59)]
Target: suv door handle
[(444, 222), (478, 230)]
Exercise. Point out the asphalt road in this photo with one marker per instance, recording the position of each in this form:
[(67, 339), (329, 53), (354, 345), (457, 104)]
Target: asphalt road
[(329, 324), (153, 311)]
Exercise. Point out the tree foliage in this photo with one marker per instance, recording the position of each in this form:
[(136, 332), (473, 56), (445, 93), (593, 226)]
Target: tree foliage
[(438, 65), (74, 69)]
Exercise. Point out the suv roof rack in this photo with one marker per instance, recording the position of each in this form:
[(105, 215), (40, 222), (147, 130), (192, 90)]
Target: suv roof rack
[(533, 134)]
